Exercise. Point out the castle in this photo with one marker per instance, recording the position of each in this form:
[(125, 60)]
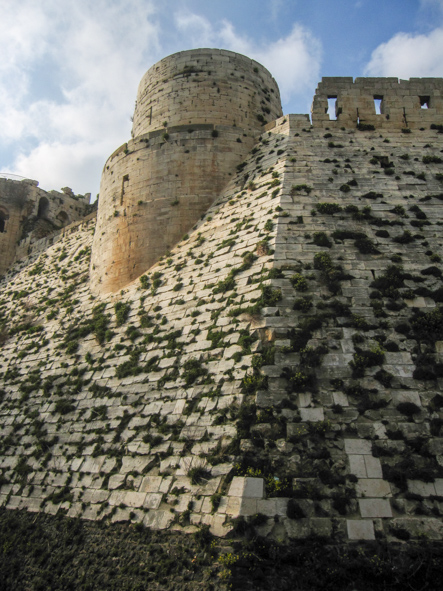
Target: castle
[(28, 214), (251, 326)]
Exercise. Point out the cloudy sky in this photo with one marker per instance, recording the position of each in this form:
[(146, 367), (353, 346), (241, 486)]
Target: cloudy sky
[(69, 69)]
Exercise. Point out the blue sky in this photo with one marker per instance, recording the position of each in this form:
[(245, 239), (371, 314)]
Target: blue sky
[(70, 68)]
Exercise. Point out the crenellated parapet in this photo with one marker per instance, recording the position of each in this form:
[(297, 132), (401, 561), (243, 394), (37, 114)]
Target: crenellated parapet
[(384, 103)]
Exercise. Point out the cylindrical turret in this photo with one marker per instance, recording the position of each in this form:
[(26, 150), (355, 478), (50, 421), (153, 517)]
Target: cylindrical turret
[(197, 116)]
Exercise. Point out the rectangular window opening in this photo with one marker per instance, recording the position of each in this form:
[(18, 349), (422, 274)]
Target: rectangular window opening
[(377, 103), (424, 101), (332, 107), (124, 180)]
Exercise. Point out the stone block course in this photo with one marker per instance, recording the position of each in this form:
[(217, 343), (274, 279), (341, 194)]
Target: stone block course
[(209, 387)]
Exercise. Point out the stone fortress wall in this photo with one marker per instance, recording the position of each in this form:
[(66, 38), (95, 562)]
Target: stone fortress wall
[(284, 360), (198, 114), (406, 104), (28, 213)]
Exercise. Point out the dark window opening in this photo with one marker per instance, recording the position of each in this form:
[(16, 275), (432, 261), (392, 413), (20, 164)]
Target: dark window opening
[(124, 180), (424, 101), (3, 217), (332, 107), (43, 208), (377, 103)]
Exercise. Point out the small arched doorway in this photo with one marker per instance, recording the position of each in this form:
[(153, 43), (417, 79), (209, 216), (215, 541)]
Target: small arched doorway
[(43, 208)]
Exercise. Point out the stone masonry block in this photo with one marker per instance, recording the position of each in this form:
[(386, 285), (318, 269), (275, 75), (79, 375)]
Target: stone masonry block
[(373, 487), (313, 415), (247, 487), (357, 466), (358, 446), (425, 489), (375, 508), (360, 530), (373, 467)]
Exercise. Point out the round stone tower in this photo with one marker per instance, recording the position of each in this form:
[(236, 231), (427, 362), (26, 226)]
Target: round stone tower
[(198, 114)]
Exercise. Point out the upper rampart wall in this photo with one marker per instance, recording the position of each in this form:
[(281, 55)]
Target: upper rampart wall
[(26, 211), (403, 104)]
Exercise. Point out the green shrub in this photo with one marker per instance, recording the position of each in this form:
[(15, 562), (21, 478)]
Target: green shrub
[(363, 359), (390, 282), (298, 188), (144, 282), (299, 282), (329, 208), (63, 406), (121, 312), (192, 370), (366, 246), (321, 239), (372, 195), (428, 326), (198, 474), (432, 159), (303, 304)]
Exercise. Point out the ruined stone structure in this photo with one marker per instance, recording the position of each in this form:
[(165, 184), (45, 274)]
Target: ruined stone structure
[(198, 114), (285, 358), (27, 213)]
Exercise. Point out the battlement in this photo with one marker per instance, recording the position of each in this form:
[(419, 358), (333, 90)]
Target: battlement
[(384, 103)]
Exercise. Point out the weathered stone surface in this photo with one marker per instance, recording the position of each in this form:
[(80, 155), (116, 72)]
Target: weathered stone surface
[(360, 530), (375, 508), (153, 413), (373, 487), (247, 487)]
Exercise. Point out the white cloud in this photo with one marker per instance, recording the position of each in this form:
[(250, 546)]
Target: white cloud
[(407, 55), (51, 162), (69, 74), (96, 53), (293, 60), (432, 4)]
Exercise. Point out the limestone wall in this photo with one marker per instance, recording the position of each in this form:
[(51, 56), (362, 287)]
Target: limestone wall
[(28, 213), (404, 104), (258, 368), (13, 201), (155, 188), (206, 86)]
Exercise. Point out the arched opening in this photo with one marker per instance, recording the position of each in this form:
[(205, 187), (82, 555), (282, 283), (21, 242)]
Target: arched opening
[(63, 217), (3, 217), (43, 208)]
